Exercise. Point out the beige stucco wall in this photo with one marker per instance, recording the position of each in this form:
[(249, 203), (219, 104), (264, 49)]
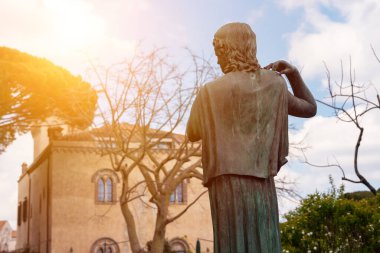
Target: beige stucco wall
[(33, 186), (22, 229), (38, 208), (77, 220)]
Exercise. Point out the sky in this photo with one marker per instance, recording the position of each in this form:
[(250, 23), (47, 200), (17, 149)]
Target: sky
[(310, 34)]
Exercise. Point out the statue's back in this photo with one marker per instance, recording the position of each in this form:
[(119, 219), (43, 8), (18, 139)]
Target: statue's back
[(244, 124)]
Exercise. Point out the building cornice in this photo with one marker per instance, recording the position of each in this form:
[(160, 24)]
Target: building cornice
[(75, 147)]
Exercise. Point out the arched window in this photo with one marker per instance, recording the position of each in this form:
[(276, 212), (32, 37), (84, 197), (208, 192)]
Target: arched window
[(108, 191), (179, 195), (179, 245), (105, 187), (105, 245), (100, 190)]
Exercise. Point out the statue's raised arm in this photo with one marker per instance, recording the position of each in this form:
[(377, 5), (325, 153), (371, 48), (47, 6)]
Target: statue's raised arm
[(302, 103)]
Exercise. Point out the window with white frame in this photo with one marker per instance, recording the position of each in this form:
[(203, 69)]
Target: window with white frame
[(105, 245), (105, 186), (179, 195)]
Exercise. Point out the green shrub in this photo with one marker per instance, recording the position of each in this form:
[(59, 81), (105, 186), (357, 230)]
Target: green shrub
[(329, 222)]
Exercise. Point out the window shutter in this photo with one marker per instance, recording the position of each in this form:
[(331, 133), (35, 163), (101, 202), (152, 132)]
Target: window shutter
[(19, 209), (25, 210)]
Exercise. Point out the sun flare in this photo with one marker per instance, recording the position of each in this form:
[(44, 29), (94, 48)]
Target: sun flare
[(75, 25)]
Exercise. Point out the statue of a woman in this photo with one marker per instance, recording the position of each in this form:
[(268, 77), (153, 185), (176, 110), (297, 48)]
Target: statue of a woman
[(242, 120)]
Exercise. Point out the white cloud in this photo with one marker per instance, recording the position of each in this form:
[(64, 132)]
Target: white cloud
[(331, 141), (334, 141), (323, 37), (255, 15), (294, 4)]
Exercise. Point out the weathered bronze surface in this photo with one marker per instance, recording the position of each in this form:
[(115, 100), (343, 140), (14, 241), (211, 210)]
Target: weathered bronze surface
[(242, 120)]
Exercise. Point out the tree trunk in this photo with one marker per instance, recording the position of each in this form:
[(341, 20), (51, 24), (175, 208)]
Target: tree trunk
[(160, 229), (131, 228)]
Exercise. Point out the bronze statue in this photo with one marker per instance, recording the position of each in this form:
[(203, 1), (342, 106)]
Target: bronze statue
[(242, 120)]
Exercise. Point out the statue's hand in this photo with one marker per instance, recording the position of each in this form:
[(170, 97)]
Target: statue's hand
[(282, 67)]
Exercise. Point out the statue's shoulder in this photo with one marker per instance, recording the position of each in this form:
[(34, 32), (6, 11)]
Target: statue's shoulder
[(227, 78), (271, 76), (262, 76), (216, 82)]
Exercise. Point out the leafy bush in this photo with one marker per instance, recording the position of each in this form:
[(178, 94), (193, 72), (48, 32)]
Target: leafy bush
[(329, 222)]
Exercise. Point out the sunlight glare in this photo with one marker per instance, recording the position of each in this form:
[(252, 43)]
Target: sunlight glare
[(75, 24)]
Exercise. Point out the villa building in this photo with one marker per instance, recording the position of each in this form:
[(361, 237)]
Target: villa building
[(68, 202)]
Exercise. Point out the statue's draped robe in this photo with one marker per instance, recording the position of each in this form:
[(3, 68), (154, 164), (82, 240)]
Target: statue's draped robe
[(242, 120)]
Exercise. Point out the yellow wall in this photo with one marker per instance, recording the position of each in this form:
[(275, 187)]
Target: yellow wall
[(77, 221), (33, 186)]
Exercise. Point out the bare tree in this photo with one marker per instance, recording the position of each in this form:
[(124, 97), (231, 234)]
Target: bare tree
[(143, 104), (351, 102)]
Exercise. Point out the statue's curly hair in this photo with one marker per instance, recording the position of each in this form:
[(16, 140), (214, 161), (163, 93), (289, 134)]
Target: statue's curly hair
[(236, 42)]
